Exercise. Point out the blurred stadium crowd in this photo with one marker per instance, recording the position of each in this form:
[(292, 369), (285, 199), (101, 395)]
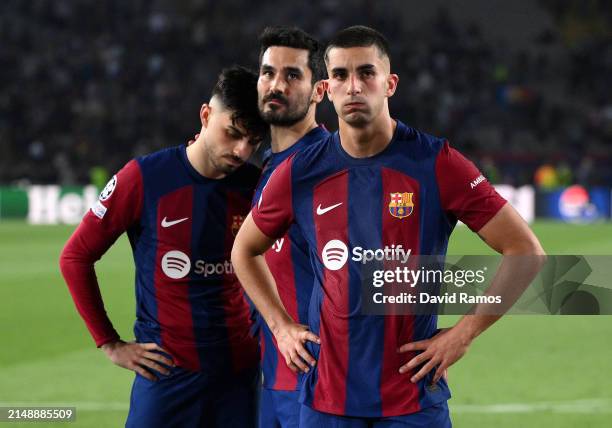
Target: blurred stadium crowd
[(92, 83)]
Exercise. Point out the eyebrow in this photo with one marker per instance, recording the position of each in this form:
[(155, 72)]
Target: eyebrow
[(236, 130), (294, 70), (366, 67), (289, 69)]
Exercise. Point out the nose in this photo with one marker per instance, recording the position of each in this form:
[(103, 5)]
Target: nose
[(277, 84), (354, 86), (243, 149)]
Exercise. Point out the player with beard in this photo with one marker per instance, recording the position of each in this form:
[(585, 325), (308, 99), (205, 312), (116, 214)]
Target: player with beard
[(289, 88), (195, 356)]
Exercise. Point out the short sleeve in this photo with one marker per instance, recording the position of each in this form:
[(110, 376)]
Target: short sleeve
[(464, 191), (273, 212)]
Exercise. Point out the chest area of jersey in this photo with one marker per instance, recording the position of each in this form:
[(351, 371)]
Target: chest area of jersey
[(198, 220), (368, 209)]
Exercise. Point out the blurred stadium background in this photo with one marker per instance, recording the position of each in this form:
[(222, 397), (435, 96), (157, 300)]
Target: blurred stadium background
[(523, 88)]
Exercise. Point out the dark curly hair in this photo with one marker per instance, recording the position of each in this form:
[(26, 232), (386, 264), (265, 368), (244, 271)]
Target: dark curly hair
[(294, 37), (236, 88), (358, 36)]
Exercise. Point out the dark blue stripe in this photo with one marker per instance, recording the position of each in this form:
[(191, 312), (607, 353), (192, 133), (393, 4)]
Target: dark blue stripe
[(302, 206), (302, 272), (303, 277), (207, 245), (270, 357), (366, 333), (434, 229)]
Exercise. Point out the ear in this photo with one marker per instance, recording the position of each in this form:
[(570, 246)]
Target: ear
[(327, 89), (392, 81), (205, 114), (319, 91)]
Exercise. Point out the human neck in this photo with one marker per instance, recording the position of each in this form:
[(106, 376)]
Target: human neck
[(283, 137), (197, 157), (369, 140)]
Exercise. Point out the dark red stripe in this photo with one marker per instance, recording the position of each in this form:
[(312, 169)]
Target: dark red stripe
[(398, 394), (330, 389), (281, 266), (243, 347), (285, 379), (172, 295)]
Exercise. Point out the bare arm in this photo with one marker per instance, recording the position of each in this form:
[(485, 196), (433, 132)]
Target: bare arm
[(255, 277), (508, 234)]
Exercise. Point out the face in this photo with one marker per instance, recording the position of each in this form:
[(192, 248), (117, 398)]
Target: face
[(359, 83), (285, 86), (227, 144)]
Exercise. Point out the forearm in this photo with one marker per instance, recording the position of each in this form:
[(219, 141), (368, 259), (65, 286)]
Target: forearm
[(518, 268), (77, 266), (258, 282), (85, 293)]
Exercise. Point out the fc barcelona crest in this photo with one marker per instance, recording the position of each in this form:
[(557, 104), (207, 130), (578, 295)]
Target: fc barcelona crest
[(236, 223), (401, 204)]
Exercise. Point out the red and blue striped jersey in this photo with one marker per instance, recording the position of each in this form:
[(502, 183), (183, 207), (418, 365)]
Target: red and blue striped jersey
[(411, 194), (181, 226), (289, 262)]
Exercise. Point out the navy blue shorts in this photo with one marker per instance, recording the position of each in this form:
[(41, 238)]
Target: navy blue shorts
[(279, 409), (194, 399), (431, 417)]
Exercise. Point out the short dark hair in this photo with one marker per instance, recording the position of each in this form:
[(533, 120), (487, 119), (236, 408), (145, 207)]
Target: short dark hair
[(294, 37), (236, 88), (358, 36)]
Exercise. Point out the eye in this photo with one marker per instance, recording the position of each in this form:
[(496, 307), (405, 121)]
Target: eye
[(233, 135), (267, 73), (293, 76), (340, 75), (367, 73)]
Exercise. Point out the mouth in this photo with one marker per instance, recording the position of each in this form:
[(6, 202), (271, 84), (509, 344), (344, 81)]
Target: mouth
[(354, 105), (232, 161), (275, 103)]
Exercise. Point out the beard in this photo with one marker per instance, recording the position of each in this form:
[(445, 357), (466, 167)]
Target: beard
[(289, 117), (222, 165), (226, 168), (219, 162)]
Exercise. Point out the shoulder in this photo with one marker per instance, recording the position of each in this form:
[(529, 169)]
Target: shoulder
[(160, 159), (266, 157), (313, 152), (165, 171), (127, 179), (420, 144), (434, 150)]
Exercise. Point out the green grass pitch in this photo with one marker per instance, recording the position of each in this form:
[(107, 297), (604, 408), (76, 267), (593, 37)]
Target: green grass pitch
[(527, 371)]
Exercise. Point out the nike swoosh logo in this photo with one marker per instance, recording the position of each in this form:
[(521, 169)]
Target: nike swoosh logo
[(321, 211), (166, 223)]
